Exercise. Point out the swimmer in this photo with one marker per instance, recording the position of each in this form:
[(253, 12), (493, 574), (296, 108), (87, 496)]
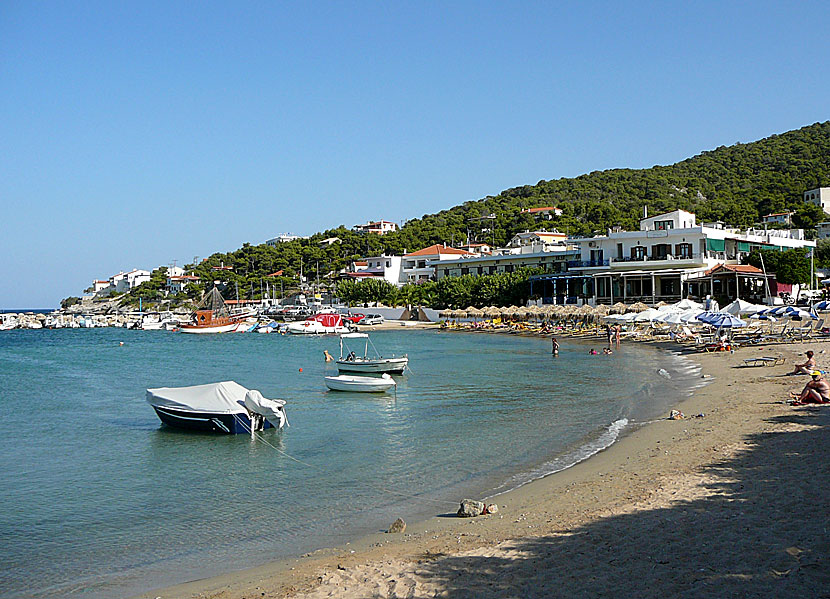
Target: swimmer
[(327, 355)]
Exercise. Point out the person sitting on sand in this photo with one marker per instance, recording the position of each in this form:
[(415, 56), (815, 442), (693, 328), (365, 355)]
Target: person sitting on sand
[(815, 391), (806, 368)]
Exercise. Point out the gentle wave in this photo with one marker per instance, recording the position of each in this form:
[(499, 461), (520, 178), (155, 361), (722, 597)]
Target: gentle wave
[(606, 438)]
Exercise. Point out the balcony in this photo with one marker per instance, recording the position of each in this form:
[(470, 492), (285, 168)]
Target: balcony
[(587, 263), (667, 261)]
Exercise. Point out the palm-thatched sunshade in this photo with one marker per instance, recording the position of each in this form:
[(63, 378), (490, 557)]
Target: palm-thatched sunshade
[(445, 313), (602, 310), (474, 312), (638, 307), (618, 308), (491, 311)]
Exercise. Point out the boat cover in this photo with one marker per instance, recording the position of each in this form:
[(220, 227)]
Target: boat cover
[(272, 409), (227, 397)]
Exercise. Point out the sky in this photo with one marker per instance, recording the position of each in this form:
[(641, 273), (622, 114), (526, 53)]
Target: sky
[(133, 134)]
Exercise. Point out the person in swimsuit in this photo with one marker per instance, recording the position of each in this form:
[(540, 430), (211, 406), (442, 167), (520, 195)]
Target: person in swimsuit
[(807, 367), (815, 391)]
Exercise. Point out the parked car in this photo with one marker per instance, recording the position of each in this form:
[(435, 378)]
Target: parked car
[(355, 317), (372, 319)]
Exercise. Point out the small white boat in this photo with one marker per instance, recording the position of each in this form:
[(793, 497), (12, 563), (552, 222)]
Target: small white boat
[(361, 384), (351, 362)]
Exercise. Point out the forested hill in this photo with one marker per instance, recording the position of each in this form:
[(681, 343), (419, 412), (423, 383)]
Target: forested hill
[(736, 184)]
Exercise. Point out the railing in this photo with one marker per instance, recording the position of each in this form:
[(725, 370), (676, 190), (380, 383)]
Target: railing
[(587, 263), (645, 258)]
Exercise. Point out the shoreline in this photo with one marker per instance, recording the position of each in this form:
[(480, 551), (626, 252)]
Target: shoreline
[(650, 469)]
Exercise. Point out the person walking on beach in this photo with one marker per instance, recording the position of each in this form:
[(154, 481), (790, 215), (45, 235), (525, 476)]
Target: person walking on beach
[(815, 391), (610, 333), (807, 367), (617, 330), (554, 346)]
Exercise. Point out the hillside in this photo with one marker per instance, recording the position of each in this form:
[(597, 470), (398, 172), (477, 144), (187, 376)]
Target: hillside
[(736, 184)]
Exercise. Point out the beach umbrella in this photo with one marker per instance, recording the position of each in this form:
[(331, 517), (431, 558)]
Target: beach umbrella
[(794, 312), (618, 308), (445, 313), (690, 316), (638, 307), (740, 307), (687, 304), (602, 309), (720, 319), (660, 304), (762, 316), (647, 315), (474, 312), (822, 306), (671, 317)]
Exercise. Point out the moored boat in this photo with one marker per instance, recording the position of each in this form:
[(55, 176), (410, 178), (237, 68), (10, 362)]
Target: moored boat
[(212, 317), (351, 362), (361, 384), (225, 407), (319, 324)]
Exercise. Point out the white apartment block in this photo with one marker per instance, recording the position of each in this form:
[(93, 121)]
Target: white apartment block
[(820, 197)]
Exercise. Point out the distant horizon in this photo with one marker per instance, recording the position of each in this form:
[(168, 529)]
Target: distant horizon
[(136, 135)]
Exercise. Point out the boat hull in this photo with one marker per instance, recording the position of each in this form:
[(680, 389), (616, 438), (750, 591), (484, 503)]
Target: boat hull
[(393, 365), (197, 329), (205, 421), (359, 384)]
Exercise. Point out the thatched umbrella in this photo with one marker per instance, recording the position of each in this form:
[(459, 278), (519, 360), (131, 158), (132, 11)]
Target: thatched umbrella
[(445, 313), (585, 310), (474, 312), (618, 308), (661, 304), (602, 310), (491, 311), (638, 307)]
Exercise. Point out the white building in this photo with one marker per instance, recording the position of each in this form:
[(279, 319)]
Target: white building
[(379, 227), (543, 212), (663, 260), (178, 283), (823, 229), (284, 238), (779, 218), (383, 267), (421, 265), (820, 197), (124, 281)]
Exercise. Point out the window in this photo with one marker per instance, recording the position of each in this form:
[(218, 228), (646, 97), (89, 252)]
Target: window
[(387, 264), (508, 268), (660, 251), (619, 251), (465, 271), (663, 225), (638, 252), (683, 250)]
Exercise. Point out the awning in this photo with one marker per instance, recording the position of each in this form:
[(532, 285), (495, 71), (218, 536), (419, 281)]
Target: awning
[(716, 245)]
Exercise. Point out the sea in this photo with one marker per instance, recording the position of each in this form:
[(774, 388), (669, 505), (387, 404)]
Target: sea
[(101, 500)]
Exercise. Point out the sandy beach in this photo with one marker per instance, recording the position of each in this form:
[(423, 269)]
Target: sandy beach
[(730, 501)]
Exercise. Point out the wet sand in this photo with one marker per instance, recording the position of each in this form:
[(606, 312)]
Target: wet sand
[(732, 503)]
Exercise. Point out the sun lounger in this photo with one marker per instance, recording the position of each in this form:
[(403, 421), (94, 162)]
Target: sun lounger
[(764, 361)]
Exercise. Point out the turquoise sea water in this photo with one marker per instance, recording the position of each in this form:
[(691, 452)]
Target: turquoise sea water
[(101, 500)]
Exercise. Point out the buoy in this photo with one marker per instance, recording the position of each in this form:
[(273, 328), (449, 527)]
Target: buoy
[(301, 369), (120, 343)]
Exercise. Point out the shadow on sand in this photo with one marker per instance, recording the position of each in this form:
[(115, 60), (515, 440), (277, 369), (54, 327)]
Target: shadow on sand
[(763, 532)]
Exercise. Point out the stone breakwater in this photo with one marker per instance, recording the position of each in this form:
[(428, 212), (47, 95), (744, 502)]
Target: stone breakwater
[(64, 319)]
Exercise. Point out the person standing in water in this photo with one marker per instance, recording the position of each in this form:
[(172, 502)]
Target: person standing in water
[(554, 346)]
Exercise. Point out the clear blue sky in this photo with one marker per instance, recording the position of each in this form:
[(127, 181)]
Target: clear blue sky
[(135, 133)]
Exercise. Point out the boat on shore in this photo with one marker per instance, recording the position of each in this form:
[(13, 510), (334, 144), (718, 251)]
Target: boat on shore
[(349, 361), (360, 384), (225, 407)]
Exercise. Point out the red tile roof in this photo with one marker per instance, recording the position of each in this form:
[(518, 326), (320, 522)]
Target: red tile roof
[(540, 209), (744, 268), (437, 249)]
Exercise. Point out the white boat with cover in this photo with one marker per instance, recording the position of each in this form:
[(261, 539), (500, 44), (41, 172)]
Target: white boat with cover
[(361, 384), (351, 362), (225, 407)]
